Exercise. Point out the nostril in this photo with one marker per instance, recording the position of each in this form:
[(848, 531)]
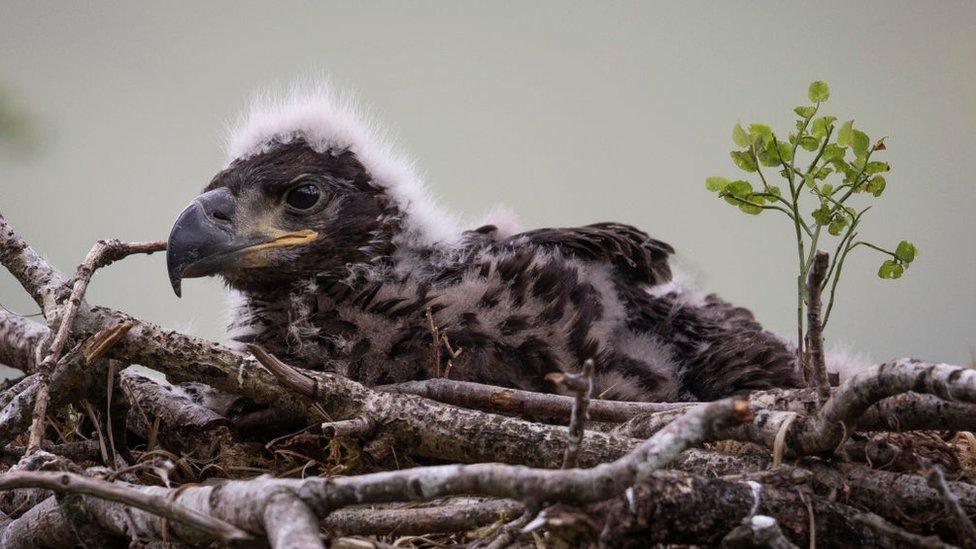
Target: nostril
[(221, 216)]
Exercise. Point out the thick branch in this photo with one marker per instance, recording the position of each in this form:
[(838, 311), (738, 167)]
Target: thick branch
[(290, 523), (438, 430), (826, 430), (19, 341)]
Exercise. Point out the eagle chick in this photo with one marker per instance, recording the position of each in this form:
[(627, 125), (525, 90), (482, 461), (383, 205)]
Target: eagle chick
[(343, 263)]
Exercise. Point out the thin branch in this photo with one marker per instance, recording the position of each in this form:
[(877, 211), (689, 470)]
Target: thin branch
[(903, 537), (158, 505), (407, 521), (960, 520), (103, 253), (582, 385), (492, 398), (815, 344)]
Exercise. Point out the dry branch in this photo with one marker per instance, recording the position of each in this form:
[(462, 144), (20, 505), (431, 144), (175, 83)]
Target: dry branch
[(523, 403), (447, 517), (960, 519), (103, 253), (156, 504), (815, 344), (625, 498)]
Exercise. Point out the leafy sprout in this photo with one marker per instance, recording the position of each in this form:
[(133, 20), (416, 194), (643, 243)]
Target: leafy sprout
[(828, 191)]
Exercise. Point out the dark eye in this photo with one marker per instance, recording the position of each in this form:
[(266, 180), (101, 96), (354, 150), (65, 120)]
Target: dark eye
[(303, 197)]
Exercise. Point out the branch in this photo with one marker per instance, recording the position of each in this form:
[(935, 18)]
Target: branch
[(407, 521), (33, 272), (827, 429), (437, 430), (20, 339), (119, 493), (582, 385), (290, 523), (525, 403), (103, 253), (818, 364), (960, 520)]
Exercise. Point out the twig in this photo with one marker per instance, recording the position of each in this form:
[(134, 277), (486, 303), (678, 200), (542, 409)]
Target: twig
[(960, 520), (516, 401), (437, 430), (443, 518), (582, 385), (90, 410), (360, 426), (510, 531), (103, 253), (757, 531), (109, 388), (900, 535), (815, 345), (161, 506)]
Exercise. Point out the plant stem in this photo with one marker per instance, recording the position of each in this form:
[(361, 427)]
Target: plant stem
[(872, 246)]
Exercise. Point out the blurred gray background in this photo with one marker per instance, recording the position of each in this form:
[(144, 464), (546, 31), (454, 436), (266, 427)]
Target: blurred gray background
[(570, 113)]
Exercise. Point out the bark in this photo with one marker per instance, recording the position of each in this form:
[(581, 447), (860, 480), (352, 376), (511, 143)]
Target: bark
[(20, 341), (622, 499)]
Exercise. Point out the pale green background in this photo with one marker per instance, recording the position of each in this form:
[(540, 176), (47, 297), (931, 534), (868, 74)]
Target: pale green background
[(568, 112)]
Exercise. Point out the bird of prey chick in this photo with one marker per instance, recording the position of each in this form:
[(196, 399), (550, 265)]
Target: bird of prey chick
[(343, 263)]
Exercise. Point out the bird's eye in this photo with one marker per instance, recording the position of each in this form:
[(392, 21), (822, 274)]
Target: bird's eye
[(303, 197)]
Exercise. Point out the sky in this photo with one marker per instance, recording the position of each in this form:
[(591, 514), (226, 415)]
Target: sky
[(567, 112)]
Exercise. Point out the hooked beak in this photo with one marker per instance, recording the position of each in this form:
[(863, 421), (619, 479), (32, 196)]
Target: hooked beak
[(205, 241)]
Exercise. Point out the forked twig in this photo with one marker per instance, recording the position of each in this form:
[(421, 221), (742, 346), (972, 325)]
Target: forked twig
[(102, 254)]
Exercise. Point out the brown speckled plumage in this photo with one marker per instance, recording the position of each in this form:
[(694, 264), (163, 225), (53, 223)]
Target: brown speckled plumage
[(356, 300)]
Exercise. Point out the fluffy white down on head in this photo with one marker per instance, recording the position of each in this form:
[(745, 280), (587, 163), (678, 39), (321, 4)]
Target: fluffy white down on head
[(332, 121)]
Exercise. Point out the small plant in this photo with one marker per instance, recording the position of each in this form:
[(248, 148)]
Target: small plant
[(839, 170)]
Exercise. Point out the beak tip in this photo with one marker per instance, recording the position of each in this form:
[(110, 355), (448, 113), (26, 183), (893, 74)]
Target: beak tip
[(177, 286)]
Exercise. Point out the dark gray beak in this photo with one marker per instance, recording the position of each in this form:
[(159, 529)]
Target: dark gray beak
[(203, 237), (205, 240)]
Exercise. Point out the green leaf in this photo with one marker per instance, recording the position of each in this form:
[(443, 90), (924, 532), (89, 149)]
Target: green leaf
[(750, 209), (744, 160), (821, 215), (823, 172), (761, 131), (890, 269), (849, 172), (876, 167), (740, 137), (810, 142), (821, 125), (785, 151), (875, 185), (837, 225), (827, 189), (739, 188), (768, 157), (805, 112), (818, 91), (846, 134), (774, 190), (832, 152), (906, 251), (716, 183), (860, 143)]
